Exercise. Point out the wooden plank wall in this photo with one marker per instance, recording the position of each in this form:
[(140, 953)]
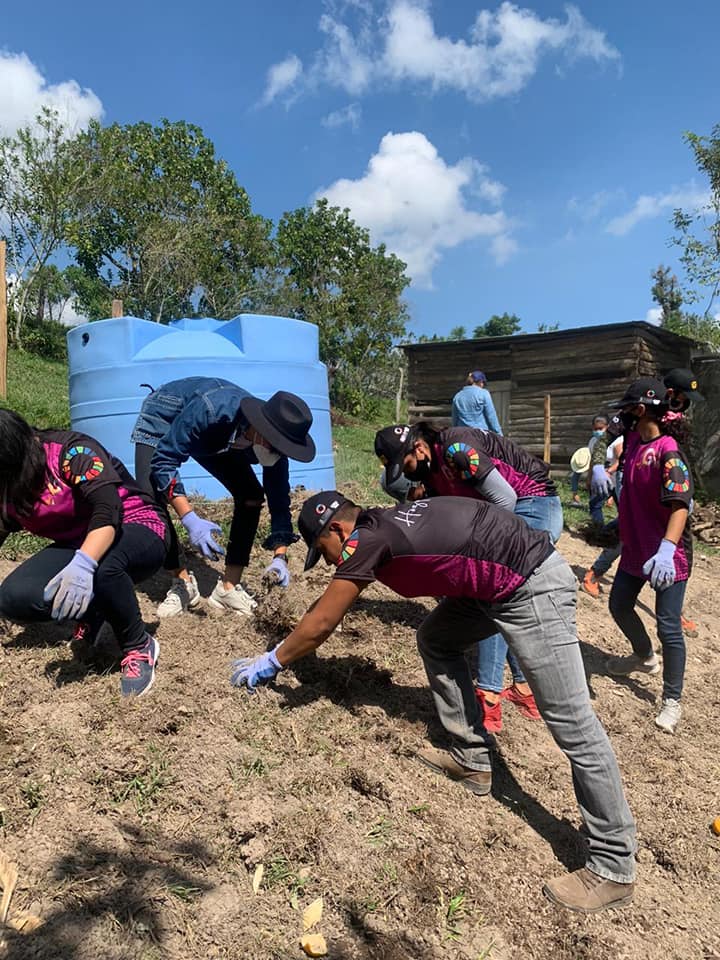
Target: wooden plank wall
[(583, 370)]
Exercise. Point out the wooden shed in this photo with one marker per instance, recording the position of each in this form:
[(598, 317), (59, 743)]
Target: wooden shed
[(582, 370)]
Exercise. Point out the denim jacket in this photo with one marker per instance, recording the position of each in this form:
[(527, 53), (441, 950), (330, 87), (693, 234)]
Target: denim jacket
[(199, 417), (473, 407)]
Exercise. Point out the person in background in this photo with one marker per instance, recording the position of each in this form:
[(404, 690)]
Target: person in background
[(494, 573), (226, 430), (597, 500), (477, 463), (682, 391), (579, 465), (473, 406), (107, 535), (656, 543)]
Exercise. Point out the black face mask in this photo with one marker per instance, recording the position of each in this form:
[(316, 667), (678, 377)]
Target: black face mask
[(421, 473), (629, 419)]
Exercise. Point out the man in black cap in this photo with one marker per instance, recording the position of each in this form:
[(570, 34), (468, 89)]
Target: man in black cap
[(494, 572), (226, 430)]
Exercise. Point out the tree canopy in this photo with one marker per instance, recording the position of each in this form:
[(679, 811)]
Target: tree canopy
[(499, 325)]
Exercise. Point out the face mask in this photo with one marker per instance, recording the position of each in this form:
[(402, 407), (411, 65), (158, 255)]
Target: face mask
[(629, 419), (265, 457), (421, 473), (598, 433)]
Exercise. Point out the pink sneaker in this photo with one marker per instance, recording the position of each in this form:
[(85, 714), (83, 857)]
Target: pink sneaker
[(491, 713), (525, 702)]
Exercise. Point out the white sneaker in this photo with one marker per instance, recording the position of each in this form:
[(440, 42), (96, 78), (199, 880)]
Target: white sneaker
[(181, 595), (622, 666), (669, 716), (236, 598)]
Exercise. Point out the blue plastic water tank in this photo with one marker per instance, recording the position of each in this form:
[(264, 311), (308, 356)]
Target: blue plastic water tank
[(110, 359)]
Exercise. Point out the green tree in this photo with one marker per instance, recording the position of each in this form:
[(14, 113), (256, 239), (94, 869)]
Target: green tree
[(697, 234), (335, 278), (499, 325), (41, 182), (164, 225), (548, 327), (458, 333), (667, 295)]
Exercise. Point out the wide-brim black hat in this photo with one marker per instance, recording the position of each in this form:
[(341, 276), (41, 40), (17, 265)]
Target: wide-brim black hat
[(284, 421)]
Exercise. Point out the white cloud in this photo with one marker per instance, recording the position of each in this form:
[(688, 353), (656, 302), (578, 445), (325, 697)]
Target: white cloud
[(649, 206), (349, 115), (654, 316), (281, 77), (590, 208), (24, 90), (417, 204), (502, 54)]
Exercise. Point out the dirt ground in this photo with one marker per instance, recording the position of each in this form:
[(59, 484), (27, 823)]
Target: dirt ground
[(138, 827)]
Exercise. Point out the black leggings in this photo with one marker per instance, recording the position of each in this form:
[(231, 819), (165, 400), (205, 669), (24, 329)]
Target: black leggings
[(136, 554), (234, 472)]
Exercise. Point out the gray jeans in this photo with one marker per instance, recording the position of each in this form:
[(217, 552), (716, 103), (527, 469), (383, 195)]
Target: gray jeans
[(538, 622)]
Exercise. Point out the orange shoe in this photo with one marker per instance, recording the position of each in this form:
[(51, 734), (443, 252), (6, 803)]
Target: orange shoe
[(689, 627), (525, 702), (591, 584)]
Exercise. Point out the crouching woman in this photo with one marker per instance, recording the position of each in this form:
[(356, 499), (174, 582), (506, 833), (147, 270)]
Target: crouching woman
[(106, 537)]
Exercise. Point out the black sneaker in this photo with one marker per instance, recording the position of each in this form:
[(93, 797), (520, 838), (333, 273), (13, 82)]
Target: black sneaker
[(138, 668)]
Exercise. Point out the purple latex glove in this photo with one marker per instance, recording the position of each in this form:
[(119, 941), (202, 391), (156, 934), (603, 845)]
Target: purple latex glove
[(277, 572), (601, 484), (660, 568), (201, 533), (72, 588), (250, 671)]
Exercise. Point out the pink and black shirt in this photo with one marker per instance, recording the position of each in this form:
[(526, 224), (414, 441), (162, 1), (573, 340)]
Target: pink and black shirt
[(85, 488), (444, 547), (656, 474), (463, 457)]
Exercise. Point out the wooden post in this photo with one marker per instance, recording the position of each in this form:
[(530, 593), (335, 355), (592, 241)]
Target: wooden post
[(3, 324), (117, 308), (398, 396), (548, 431)]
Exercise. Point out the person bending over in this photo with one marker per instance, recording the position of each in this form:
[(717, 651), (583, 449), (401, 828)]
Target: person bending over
[(494, 573), (226, 430)]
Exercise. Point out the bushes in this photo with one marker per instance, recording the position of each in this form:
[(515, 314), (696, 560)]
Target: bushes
[(46, 340)]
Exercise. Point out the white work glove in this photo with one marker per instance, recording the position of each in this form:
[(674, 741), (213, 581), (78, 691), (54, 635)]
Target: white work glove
[(660, 568)]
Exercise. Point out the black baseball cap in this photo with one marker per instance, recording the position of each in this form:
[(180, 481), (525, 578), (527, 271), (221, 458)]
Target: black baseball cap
[(315, 515), (392, 446), (685, 380), (646, 390)]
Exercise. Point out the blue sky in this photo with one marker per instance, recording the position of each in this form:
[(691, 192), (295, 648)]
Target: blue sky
[(520, 157)]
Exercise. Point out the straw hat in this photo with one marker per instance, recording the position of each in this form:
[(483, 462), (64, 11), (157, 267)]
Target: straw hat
[(580, 460)]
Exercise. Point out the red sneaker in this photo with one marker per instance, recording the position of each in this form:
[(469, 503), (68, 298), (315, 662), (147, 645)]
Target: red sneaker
[(491, 713), (525, 702)]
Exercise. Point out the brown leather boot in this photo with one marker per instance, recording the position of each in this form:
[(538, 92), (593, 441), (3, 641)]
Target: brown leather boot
[(586, 892), (477, 781)]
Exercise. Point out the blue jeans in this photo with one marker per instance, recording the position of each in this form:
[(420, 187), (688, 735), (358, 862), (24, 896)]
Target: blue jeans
[(538, 621), (595, 507), (539, 513), (575, 481), (668, 607)]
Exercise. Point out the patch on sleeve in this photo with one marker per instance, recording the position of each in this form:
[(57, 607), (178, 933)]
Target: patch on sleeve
[(676, 476), (464, 458), (349, 547), (81, 464)]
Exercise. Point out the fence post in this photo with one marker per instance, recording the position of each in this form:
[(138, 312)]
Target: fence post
[(547, 432), (117, 308), (3, 324)]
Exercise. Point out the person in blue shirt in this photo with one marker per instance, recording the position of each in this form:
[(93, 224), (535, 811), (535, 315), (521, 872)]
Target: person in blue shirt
[(473, 406), (226, 430)]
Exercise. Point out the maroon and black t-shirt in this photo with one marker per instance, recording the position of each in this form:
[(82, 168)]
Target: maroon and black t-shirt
[(85, 488), (462, 457), (444, 547)]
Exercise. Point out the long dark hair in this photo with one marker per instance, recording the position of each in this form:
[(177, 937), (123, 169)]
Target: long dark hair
[(22, 464), (427, 430)]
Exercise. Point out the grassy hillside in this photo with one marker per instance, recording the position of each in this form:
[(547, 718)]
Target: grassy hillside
[(38, 389)]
